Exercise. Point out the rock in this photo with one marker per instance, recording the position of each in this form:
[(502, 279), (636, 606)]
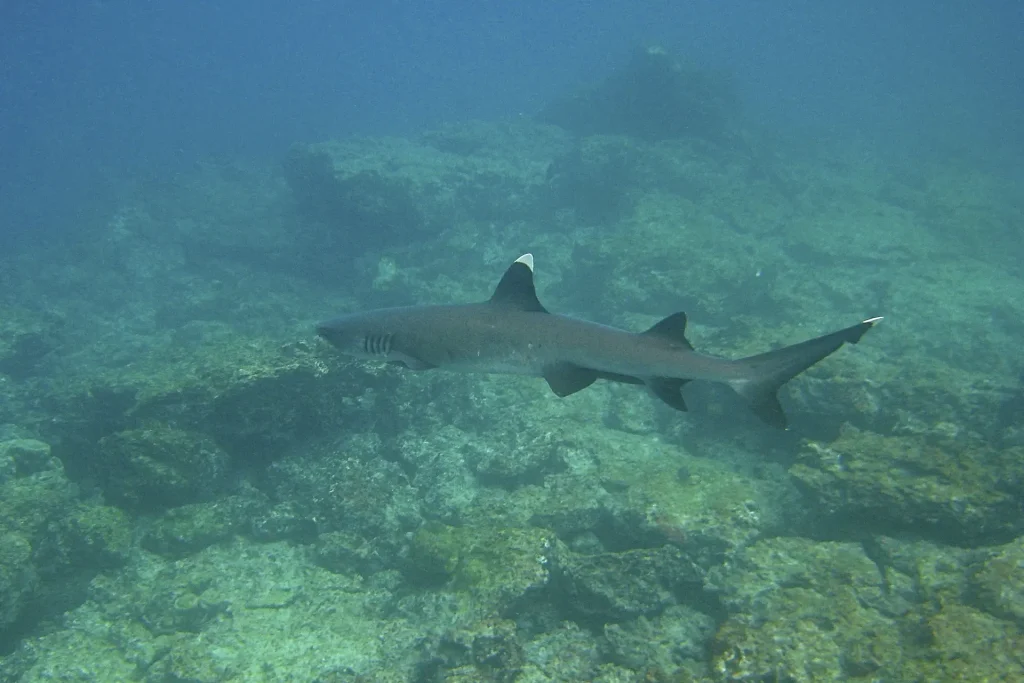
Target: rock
[(357, 210), (762, 568), (90, 536), (664, 642), (565, 653), (917, 571), (527, 460), (967, 645), (999, 582), (28, 504), (179, 609), (371, 497), (159, 467), (646, 494), (951, 489), (26, 456), (343, 552), (653, 97), (799, 611), (597, 179), (617, 586), (499, 567), (18, 577), (188, 657), (485, 651), (8, 468), (283, 522), (188, 529), (26, 350)]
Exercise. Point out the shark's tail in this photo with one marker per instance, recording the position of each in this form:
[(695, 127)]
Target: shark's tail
[(767, 372)]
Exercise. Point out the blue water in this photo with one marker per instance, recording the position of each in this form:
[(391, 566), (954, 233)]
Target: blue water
[(98, 90)]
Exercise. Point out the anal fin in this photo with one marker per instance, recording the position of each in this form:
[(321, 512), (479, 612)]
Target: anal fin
[(768, 409), (566, 379), (669, 390)]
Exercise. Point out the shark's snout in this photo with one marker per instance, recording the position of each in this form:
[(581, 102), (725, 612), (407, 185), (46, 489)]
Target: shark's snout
[(328, 332)]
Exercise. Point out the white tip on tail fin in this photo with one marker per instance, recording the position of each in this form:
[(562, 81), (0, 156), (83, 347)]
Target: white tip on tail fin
[(526, 260), (769, 371)]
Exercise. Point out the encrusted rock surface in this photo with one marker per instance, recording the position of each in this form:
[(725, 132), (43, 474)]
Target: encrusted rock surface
[(197, 489), (962, 489)]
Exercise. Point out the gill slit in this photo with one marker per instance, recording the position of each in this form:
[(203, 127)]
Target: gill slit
[(377, 344)]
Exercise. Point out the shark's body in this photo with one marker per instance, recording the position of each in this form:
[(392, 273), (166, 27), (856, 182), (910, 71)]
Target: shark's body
[(513, 333)]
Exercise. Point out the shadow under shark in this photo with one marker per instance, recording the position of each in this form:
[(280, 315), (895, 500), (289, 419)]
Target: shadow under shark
[(513, 333)]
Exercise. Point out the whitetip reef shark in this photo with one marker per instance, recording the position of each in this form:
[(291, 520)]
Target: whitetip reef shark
[(512, 333)]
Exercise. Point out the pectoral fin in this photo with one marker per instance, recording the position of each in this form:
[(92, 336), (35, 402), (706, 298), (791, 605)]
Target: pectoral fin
[(410, 363), (566, 379)]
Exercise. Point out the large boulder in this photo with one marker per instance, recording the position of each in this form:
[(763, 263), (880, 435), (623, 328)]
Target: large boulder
[(949, 488), (159, 467), (654, 97), (803, 611)]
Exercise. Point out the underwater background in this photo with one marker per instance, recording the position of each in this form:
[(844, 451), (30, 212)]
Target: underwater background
[(193, 487)]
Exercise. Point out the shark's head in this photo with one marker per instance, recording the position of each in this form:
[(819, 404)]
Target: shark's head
[(376, 335), (357, 336), (418, 336)]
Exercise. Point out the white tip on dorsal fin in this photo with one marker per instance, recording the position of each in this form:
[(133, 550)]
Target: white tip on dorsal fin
[(872, 321), (516, 290), (526, 260)]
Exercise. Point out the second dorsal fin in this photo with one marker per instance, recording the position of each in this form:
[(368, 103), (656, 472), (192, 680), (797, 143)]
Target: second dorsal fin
[(672, 328)]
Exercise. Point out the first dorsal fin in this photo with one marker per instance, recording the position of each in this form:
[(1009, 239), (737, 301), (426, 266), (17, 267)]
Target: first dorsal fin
[(516, 288), (672, 328)]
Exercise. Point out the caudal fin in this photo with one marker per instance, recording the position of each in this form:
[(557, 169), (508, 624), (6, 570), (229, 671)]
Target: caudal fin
[(767, 372)]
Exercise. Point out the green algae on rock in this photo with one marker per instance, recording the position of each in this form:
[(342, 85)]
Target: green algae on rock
[(998, 582), (639, 492), (240, 611), (29, 502), (159, 466), (27, 456), (189, 528), (800, 611), (51, 542), (88, 538), (608, 587), (966, 644), (497, 566), (18, 576), (959, 490), (676, 638)]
